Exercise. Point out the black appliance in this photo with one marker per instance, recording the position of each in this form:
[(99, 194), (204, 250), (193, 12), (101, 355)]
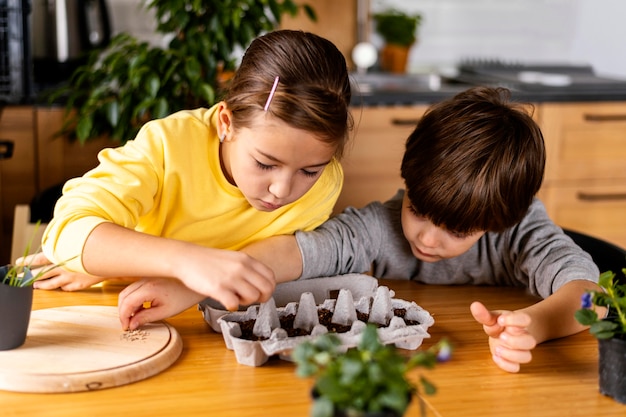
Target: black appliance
[(537, 77), (15, 64), (63, 32), (42, 42)]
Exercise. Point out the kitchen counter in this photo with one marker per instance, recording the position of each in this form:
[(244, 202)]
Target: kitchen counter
[(527, 83)]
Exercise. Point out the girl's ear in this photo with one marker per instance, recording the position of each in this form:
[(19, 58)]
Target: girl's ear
[(224, 121)]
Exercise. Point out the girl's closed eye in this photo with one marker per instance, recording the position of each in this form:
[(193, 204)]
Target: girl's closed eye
[(264, 166), (310, 173)]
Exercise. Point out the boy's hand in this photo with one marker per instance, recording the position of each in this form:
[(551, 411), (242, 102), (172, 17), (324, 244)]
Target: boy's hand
[(57, 277), (509, 340), (154, 299)]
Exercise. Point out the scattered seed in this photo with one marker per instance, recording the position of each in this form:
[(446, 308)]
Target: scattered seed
[(134, 335)]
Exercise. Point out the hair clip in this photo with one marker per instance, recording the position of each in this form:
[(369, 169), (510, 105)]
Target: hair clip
[(272, 91)]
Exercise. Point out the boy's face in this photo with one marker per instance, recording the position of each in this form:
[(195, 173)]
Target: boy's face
[(430, 243)]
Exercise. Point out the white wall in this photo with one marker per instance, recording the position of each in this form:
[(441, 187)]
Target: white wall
[(556, 31)]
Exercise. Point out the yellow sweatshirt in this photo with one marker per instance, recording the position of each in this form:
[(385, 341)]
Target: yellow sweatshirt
[(168, 182)]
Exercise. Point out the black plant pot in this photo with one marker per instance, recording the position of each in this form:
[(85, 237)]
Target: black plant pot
[(612, 368), (16, 304)]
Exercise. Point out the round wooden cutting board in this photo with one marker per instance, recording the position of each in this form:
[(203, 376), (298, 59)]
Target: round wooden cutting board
[(83, 348)]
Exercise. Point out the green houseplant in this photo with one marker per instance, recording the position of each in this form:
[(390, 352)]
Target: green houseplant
[(131, 82), (370, 379), (399, 31), (610, 332)]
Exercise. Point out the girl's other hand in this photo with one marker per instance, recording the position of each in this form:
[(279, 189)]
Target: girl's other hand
[(154, 299), (56, 277), (509, 340)]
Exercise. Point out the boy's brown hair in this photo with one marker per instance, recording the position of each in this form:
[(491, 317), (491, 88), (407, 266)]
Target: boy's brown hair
[(313, 92), (474, 162)]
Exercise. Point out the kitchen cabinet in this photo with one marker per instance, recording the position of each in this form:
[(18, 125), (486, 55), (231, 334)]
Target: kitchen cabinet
[(40, 160), (59, 159), (17, 173), (372, 158), (585, 182)]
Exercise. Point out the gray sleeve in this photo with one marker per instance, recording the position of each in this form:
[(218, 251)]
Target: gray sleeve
[(344, 244), (544, 255)]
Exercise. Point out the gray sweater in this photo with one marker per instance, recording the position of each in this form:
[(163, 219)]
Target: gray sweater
[(535, 253)]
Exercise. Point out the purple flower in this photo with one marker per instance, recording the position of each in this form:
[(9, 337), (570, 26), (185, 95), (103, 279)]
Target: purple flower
[(586, 300), (445, 352)]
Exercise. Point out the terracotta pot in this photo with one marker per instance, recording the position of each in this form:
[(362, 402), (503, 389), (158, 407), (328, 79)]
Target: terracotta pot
[(16, 304), (612, 368), (394, 58)]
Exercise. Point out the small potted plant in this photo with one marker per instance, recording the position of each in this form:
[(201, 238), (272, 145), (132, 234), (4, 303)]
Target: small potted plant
[(368, 380), (399, 31), (610, 332), (16, 301)]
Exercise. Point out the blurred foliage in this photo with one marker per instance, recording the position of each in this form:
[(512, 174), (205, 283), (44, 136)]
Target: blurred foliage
[(130, 82)]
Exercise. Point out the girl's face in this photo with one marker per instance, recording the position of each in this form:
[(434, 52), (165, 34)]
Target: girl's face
[(430, 243), (272, 163)]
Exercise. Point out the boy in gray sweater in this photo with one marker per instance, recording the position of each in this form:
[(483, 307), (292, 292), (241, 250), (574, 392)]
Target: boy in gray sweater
[(468, 216)]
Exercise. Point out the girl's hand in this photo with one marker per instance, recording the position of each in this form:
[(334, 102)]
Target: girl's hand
[(509, 340), (154, 299), (56, 277), (230, 277)]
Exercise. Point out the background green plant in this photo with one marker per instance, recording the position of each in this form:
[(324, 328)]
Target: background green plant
[(396, 27), (613, 297), (130, 82), (369, 378)]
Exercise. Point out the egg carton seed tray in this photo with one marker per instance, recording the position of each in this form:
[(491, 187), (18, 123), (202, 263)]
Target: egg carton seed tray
[(402, 323), (322, 289)]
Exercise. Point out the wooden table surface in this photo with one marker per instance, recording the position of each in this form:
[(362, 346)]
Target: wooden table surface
[(561, 381)]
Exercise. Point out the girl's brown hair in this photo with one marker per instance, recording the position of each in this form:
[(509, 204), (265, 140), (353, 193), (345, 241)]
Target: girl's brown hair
[(313, 91), (474, 162)]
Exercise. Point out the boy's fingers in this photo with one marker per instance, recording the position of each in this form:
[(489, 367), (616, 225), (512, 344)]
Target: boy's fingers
[(482, 314), (514, 319)]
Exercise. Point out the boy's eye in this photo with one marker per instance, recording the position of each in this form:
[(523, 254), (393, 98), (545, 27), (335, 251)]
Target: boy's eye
[(459, 235)]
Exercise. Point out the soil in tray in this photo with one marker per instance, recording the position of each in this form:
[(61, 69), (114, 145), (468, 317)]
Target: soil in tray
[(325, 316)]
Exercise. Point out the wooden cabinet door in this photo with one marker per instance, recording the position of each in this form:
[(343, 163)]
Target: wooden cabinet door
[(372, 159), (59, 158), (585, 182), (17, 173), (597, 210), (584, 140)]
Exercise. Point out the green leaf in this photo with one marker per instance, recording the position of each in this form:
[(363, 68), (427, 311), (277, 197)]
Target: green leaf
[(153, 84), (322, 407), (606, 279), (429, 388), (603, 329), (112, 111), (83, 129), (586, 316), (160, 108)]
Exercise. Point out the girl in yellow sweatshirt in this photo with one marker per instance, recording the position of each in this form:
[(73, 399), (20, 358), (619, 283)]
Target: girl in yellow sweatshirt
[(191, 189)]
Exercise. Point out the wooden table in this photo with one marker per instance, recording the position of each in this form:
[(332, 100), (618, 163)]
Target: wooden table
[(562, 379)]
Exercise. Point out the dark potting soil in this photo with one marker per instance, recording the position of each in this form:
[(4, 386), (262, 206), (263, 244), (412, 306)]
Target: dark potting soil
[(324, 315)]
